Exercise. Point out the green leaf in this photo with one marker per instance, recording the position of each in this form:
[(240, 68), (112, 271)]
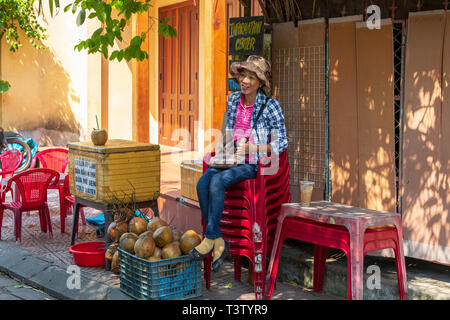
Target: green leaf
[(104, 50), (92, 15), (229, 286), (17, 286), (97, 32), (135, 42), (110, 38), (74, 8), (50, 4), (120, 55), (4, 86), (66, 8), (114, 55), (101, 14), (81, 17)]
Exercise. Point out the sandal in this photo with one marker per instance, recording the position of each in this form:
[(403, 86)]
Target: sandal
[(197, 256), (218, 263)]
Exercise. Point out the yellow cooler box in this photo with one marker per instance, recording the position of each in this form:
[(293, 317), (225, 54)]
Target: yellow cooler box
[(114, 170), (191, 171)]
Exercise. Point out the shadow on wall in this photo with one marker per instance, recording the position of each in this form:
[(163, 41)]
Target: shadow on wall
[(426, 172), (41, 100)]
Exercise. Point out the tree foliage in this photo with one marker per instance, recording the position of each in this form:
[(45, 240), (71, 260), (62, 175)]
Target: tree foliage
[(113, 15)]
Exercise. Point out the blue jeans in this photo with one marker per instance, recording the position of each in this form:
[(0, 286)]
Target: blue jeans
[(211, 193)]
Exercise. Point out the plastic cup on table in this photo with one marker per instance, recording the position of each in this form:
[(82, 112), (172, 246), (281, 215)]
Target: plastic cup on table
[(306, 189)]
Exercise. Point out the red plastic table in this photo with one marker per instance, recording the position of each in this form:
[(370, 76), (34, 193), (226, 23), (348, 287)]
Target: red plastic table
[(356, 220)]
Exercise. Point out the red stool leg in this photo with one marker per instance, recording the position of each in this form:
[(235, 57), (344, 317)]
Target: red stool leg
[(400, 262), (49, 222), (320, 259), (349, 278), (62, 209), (237, 267), (1, 221), (42, 220), (207, 270), (18, 224), (260, 275), (273, 274)]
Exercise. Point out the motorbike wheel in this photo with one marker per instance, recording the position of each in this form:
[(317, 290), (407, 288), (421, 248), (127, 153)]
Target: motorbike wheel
[(26, 152)]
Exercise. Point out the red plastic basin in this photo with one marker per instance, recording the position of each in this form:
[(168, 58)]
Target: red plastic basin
[(89, 254)]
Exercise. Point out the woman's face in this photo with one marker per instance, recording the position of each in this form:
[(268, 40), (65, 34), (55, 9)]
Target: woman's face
[(249, 82)]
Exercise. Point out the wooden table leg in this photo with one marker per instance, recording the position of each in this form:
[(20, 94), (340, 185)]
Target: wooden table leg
[(155, 208), (76, 212)]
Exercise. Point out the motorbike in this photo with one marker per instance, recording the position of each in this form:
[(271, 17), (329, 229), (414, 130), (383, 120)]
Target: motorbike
[(13, 140)]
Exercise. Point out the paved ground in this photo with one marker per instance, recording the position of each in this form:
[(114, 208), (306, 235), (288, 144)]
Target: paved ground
[(13, 289)]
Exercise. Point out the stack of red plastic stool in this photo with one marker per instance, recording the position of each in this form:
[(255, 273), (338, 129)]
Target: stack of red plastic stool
[(249, 219)]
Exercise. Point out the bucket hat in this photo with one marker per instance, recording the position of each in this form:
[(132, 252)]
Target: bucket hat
[(256, 64)]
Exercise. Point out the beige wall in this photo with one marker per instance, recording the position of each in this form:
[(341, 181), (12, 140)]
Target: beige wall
[(120, 93), (52, 88), (205, 64)]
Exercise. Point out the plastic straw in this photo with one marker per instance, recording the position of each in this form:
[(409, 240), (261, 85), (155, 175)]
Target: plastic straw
[(307, 177), (96, 119)]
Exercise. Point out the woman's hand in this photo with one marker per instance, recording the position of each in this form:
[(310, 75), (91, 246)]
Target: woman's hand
[(242, 148), (246, 148)]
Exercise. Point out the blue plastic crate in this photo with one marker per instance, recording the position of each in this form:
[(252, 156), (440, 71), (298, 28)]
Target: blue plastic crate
[(168, 279)]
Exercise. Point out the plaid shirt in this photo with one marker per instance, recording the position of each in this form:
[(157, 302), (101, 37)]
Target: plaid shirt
[(270, 127)]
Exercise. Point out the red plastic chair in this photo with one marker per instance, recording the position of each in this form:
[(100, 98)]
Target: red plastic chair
[(326, 235), (55, 159), (249, 221), (69, 201), (10, 160), (32, 186)]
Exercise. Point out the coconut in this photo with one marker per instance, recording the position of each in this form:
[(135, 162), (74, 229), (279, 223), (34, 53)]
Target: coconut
[(162, 236), (127, 242), (176, 234), (110, 251), (137, 225), (116, 229), (152, 258), (115, 263), (157, 252), (171, 250), (144, 247), (146, 233), (155, 223), (189, 240)]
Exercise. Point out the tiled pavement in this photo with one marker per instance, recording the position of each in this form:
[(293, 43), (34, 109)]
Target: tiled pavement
[(56, 248)]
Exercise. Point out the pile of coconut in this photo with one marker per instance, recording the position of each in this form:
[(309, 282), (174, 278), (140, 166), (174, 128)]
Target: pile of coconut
[(154, 240)]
